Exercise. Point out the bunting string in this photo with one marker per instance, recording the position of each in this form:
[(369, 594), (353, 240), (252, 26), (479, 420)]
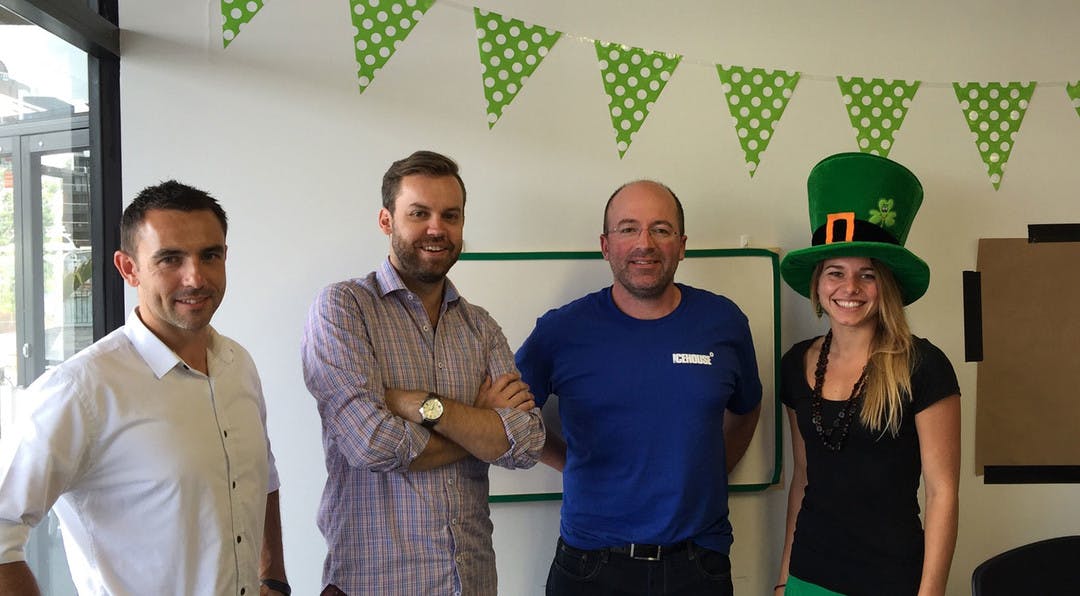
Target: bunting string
[(510, 51)]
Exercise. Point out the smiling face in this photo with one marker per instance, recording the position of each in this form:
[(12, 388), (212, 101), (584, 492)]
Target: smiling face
[(425, 228), (847, 289), (178, 268), (643, 242)]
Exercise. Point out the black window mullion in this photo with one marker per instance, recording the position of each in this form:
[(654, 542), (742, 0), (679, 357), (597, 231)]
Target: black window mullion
[(106, 199)]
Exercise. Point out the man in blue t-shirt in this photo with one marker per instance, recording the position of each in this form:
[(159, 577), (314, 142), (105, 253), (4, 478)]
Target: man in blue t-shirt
[(659, 396)]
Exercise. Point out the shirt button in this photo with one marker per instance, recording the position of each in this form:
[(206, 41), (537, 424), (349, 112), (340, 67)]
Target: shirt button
[(441, 366), (450, 481), (243, 591), (234, 484), (238, 539), (426, 328), (226, 434)]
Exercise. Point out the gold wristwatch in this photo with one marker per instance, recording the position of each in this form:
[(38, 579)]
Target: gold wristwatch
[(431, 410)]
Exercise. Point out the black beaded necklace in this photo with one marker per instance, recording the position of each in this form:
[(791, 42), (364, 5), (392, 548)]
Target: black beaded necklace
[(834, 436)]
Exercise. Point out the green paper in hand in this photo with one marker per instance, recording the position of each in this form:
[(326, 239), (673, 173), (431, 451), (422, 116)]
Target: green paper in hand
[(877, 108), (994, 112), (633, 79), (510, 50), (756, 98), (380, 26), (236, 14)]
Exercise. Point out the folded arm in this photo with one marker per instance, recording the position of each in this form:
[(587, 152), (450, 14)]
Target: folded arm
[(476, 429)]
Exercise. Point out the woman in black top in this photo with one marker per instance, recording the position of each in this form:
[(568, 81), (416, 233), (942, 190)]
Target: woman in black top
[(872, 407)]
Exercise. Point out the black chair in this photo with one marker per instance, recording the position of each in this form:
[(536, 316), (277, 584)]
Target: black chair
[(1048, 567)]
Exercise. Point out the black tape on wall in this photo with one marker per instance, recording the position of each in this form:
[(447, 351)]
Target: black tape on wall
[(1053, 233), (973, 332), (1031, 474)]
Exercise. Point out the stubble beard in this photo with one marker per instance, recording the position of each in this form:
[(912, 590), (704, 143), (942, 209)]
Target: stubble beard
[(643, 292), (408, 257)]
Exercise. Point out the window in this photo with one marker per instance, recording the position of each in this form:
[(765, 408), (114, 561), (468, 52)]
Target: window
[(60, 204)]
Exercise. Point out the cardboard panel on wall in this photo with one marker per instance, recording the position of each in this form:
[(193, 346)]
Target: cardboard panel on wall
[(1028, 400)]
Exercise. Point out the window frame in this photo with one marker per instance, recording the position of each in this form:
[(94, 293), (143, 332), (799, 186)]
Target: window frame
[(93, 26)]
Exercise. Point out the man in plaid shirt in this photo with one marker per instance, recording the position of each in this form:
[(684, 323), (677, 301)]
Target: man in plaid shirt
[(418, 394)]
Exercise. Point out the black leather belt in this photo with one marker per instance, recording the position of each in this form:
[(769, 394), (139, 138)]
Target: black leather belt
[(650, 552)]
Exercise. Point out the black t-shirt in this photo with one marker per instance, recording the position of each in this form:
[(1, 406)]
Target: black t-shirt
[(858, 531)]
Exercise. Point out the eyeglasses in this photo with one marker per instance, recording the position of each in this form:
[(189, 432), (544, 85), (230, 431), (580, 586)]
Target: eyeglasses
[(659, 233)]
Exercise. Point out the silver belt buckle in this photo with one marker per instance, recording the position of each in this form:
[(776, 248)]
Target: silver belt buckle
[(649, 556)]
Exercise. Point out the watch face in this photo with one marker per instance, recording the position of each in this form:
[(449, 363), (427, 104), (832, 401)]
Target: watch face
[(431, 409)]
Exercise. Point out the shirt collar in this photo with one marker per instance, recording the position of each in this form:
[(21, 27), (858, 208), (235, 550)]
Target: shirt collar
[(158, 356), (390, 281)]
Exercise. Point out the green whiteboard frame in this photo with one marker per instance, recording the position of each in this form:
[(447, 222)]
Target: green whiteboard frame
[(690, 254)]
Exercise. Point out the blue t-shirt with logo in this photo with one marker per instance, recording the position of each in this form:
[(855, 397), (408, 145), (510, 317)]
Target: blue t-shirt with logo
[(642, 404)]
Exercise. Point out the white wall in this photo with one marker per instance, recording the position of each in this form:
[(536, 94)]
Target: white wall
[(274, 126)]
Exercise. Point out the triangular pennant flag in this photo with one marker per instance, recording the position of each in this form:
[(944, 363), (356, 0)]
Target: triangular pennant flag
[(236, 14), (510, 51), (994, 112), (877, 108), (380, 26), (757, 98), (1073, 89), (633, 79)]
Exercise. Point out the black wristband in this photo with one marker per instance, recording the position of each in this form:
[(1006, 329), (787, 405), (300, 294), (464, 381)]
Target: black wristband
[(277, 586)]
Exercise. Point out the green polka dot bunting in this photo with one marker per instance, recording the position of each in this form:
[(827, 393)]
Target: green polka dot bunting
[(633, 79), (877, 108), (1073, 89), (237, 13), (380, 26), (994, 112), (756, 98), (510, 51)]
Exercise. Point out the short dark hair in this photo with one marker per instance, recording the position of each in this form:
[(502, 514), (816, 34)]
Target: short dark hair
[(166, 195), (424, 163), (678, 204)]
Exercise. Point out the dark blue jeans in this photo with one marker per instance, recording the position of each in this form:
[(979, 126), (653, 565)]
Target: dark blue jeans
[(693, 571)]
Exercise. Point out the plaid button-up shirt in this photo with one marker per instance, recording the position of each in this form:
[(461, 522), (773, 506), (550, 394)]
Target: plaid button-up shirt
[(390, 530)]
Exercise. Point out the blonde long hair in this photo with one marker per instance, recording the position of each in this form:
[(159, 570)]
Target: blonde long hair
[(888, 375)]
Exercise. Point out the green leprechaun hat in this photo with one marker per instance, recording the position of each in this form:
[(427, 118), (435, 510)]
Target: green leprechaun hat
[(861, 205)]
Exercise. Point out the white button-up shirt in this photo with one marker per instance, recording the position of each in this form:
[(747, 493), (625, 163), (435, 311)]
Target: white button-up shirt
[(157, 472)]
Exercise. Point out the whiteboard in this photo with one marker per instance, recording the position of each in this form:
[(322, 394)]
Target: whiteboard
[(516, 288)]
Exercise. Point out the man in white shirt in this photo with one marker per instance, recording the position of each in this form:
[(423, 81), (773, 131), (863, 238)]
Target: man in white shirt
[(150, 445)]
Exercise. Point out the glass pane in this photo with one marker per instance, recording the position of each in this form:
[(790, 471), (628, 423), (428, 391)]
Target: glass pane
[(65, 211), (41, 76), (44, 213)]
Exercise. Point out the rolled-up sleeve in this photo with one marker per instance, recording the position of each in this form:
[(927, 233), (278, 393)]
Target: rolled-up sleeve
[(341, 372), (524, 430)]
